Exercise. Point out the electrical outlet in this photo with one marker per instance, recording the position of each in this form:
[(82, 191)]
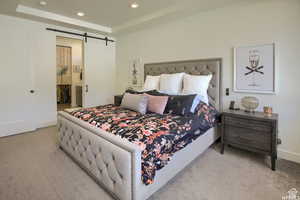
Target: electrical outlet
[(227, 91)]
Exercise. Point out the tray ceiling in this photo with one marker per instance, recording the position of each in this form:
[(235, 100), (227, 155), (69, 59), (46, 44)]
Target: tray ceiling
[(116, 14)]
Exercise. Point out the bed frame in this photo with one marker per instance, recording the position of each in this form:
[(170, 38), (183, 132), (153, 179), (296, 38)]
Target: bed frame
[(115, 163)]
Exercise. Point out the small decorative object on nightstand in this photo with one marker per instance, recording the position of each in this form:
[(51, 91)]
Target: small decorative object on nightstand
[(118, 99), (251, 131), (250, 103), (268, 110)]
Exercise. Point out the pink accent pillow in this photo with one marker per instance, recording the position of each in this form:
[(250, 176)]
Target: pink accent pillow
[(157, 104)]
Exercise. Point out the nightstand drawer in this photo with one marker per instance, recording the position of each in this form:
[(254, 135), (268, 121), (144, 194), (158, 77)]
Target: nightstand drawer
[(248, 137), (246, 123)]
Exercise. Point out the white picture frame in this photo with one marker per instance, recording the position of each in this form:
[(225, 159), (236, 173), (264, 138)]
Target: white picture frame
[(254, 69)]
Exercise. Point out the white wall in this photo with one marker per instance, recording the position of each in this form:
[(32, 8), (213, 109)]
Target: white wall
[(214, 34), (28, 49)]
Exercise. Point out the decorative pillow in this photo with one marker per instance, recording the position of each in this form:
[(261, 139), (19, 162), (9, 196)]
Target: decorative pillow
[(198, 98), (156, 93), (196, 85), (157, 104), (180, 104), (171, 83), (135, 102), (195, 102), (139, 92), (151, 83)]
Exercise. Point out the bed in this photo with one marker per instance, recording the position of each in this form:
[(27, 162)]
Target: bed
[(115, 163)]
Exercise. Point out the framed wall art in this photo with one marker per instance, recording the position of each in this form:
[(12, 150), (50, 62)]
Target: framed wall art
[(254, 69), (135, 79)]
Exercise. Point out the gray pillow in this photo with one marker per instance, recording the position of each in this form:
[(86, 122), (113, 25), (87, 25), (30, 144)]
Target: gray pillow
[(135, 102)]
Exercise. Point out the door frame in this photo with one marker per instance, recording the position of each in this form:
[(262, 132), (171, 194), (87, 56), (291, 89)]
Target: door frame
[(72, 37)]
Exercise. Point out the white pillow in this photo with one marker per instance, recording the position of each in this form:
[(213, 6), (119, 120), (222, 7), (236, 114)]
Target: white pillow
[(171, 83), (196, 85), (151, 83)]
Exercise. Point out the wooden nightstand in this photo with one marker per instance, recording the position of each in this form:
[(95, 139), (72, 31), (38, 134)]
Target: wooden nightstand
[(118, 99), (251, 131)]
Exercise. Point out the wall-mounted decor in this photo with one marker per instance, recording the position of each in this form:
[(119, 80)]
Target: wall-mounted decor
[(254, 69), (135, 73)]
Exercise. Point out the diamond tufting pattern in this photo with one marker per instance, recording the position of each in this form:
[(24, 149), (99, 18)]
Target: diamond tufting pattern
[(108, 164)]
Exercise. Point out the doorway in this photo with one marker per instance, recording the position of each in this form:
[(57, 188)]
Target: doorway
[(69, 73)]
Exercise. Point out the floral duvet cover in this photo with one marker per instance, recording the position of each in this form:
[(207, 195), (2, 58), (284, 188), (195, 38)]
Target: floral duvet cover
[(158, 136)]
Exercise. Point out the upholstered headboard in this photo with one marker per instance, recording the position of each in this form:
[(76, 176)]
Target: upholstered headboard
[(193, 67)]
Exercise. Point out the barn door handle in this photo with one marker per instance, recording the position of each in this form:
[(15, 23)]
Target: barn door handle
[(86, 88)]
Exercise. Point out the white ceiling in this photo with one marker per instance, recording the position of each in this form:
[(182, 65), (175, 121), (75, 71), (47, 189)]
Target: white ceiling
[(117, 14)]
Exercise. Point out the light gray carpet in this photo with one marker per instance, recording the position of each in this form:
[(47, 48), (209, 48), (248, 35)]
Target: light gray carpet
[(33, 168)]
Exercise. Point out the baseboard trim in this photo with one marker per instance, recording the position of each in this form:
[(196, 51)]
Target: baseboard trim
[(19, 127), (287, 155), (46, 124), (15, 127)]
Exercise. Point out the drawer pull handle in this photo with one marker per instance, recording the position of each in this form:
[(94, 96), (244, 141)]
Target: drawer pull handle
[(244, 139)]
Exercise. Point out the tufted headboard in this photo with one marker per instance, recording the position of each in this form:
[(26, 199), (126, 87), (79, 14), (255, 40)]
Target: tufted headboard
[(193, 67)]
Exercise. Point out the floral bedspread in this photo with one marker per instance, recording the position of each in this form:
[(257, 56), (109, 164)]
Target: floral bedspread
[(158, 136)]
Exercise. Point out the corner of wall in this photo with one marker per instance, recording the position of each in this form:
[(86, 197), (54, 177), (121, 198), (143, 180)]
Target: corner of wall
[(287, 155)]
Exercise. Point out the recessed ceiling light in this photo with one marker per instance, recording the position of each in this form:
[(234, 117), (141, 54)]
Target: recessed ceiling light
[(43, 3), (134, 5), (81, 14)]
